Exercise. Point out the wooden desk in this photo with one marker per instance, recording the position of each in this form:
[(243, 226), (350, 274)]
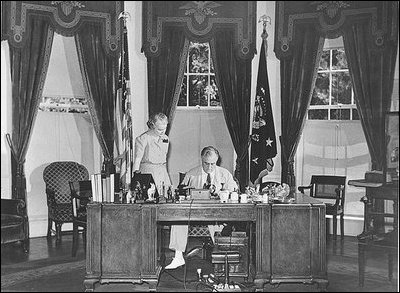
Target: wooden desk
[(290, 245)]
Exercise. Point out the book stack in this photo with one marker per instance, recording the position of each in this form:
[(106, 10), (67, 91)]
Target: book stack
[(104, 187)]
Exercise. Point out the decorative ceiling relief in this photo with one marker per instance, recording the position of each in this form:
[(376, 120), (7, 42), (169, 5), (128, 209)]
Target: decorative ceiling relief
[(199, 19), (329, 18), (66, 18)]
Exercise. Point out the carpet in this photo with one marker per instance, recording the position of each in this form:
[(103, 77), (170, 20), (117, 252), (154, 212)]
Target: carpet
[(68, 276)]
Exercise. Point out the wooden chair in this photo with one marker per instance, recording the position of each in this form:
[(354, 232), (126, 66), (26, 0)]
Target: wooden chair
[(57, 176), (329, 187), (81, 195)]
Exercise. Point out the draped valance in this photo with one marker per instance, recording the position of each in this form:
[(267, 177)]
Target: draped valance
[(67, 17), (330, 19), (200, 20)]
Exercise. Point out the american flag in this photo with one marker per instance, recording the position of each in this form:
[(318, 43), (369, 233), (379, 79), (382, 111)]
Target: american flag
[(123, 134), (263, 139)]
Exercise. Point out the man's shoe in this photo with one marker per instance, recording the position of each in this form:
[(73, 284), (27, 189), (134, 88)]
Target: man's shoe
[(176, 262)]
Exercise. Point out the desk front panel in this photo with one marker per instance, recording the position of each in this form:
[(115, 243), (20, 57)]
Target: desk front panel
[(206, 212)]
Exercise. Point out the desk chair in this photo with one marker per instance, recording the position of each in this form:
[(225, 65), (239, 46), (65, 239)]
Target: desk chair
[(81, 194), (329, 187), (57, 176)]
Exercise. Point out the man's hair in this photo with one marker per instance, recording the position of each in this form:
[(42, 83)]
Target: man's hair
[(156, 117), (208, 151)]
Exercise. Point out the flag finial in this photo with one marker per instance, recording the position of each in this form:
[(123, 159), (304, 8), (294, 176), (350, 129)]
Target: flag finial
[(265, 20), (124, 15)]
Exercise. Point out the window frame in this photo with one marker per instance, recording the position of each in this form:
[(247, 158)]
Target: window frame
[(186, 77), (330, 106)]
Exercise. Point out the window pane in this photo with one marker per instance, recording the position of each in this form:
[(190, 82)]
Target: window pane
[(198, 58), (355, 114), (182, 96), (339, 60), (197, 91), (211, 66), (324, 63), (340, 114), (318, 114), (214, 94), (341, 88), (321, 90)]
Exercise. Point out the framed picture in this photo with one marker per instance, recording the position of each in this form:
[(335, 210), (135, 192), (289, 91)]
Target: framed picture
[(392, 147)]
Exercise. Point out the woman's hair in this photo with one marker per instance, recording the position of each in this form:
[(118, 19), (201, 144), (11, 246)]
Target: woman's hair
[(156, 117)]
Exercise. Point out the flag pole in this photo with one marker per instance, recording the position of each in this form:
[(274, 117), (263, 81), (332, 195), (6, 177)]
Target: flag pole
[(263, 138)]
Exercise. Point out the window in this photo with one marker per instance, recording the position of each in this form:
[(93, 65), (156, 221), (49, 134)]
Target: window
[(199, 87), (333, 97)]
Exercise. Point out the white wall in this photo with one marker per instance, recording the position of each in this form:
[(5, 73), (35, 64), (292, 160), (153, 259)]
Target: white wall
[(335, 148), (192, 130), (56, 137), (5, 121)]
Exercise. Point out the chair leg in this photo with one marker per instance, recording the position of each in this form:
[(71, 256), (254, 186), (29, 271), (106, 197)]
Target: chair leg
[(75, 235), (25, 245), (49, 226), (84, 239), (390, 256), (361, 264), (58, 231), (342, 226), (334, 226)]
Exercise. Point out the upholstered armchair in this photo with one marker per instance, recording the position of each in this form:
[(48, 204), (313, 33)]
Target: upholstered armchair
[(14, 222)]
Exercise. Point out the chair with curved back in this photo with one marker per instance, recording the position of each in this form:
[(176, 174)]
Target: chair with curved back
[(81, 195), (57, 176), (333, 188)]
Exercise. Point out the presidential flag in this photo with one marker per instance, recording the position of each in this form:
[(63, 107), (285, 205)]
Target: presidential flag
[(123, 121), (263, 140)]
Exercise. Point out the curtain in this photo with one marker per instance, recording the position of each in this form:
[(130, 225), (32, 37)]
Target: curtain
[(372, 74), (233, 78), (29, 66), (298, 74), (163, 73), (100, 79)]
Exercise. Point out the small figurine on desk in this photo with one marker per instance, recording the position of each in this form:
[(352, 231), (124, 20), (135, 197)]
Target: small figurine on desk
[(151, 191), (176, 199), (138, 193), (169, 195)]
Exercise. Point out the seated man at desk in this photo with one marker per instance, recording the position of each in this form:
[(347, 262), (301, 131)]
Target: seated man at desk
[(203, 176)]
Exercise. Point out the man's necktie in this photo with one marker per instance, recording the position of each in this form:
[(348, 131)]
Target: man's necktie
[(208, 181), (207, 184)]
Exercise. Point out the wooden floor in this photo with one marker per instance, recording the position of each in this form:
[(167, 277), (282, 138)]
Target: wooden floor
[(51, 268)]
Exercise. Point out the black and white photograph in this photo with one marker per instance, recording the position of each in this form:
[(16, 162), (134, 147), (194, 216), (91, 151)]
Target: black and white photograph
[(199, 146)]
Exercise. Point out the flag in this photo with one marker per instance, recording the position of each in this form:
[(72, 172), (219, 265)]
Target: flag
[(263, 139), (123, 131)]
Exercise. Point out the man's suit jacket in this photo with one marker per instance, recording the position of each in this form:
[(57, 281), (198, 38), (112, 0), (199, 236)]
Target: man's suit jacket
[(193, 178)]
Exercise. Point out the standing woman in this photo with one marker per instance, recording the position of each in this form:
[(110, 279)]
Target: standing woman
[(151, 149)]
